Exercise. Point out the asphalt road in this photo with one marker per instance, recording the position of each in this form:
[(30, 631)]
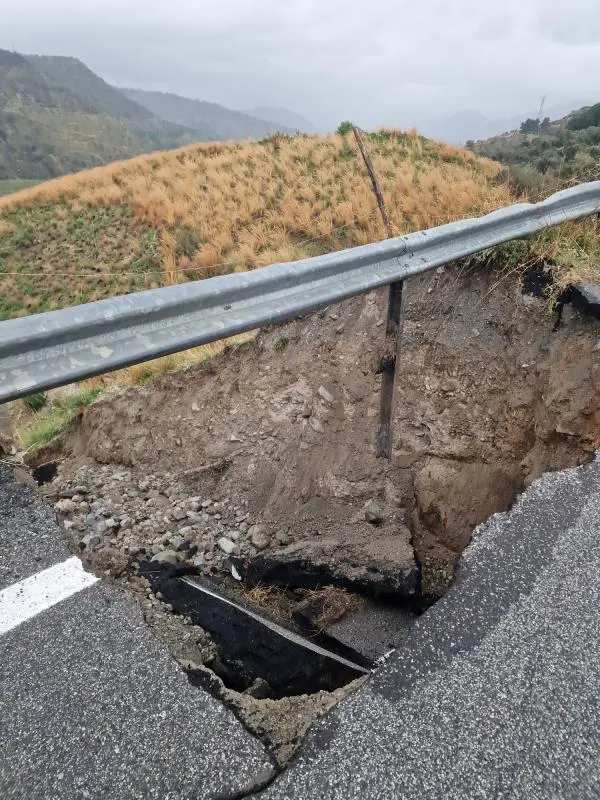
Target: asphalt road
[(91, 703), (496, 694)]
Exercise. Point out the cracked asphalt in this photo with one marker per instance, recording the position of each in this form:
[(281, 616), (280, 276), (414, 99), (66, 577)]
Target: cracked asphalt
[(91, 703), (497, 692)]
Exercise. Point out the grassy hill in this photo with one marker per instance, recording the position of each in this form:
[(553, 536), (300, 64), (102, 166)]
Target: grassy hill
[(556, 153), (213, 120), (215, 208)]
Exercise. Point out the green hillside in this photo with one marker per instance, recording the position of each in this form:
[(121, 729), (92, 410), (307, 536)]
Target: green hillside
[(549, 153), (57, 117)]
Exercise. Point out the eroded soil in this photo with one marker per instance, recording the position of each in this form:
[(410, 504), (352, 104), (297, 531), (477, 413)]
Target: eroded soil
[(269, 450)]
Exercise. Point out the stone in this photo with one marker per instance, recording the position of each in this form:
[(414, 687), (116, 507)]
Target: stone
[(111, 523), (325, 395), (226, 545), (259, 689), (374, 512), (259, 537), (198, 560), (282, 537), (178, 514), (207, 503), (307, 410), (65, 506), (177, 542), (166, 557), (89, 540), (316, 425)]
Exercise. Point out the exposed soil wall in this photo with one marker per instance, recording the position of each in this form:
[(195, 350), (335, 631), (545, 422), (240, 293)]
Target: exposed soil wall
[(488, 398)]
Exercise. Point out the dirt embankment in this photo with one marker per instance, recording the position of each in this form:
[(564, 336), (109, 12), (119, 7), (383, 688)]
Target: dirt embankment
[(489, 396)]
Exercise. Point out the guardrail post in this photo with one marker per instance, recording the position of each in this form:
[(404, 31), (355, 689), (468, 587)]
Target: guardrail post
[(387, 363), (387, 369)]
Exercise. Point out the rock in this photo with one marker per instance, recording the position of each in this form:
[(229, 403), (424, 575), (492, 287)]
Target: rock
[(325, 395), (198, 560), (259, 537), (111, 523), (375, 512), (316, 425), (177, 542), (89, 540), (226, 545), (282, 537), (260, 689), (65, 506), (207, 503), (178, 514), (166, 557)]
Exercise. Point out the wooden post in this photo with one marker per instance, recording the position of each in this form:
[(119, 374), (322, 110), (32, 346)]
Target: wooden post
[(387, 362)]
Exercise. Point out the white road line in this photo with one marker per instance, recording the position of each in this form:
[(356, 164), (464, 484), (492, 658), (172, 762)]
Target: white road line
[(35, 594)]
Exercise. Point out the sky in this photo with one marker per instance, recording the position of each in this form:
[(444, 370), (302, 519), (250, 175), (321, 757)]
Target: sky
[(381, 62)]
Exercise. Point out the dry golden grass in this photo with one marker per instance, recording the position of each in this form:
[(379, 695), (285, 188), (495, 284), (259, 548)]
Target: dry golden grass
[(6, 228), (251, 203)]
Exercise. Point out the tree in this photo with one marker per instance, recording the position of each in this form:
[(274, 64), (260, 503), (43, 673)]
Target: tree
[(545, 125), (530, 126)]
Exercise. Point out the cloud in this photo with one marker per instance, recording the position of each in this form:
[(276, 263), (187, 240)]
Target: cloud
[(382, 62)]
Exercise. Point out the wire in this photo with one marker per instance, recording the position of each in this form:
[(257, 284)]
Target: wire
[(101, 273)]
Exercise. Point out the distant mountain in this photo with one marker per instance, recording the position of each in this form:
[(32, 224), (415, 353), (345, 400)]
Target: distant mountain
[(56, 116), (214, 121), (106, 99), (473, 125), (285, 117)]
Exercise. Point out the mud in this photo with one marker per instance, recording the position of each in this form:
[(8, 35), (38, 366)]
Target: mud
[(489, 396)]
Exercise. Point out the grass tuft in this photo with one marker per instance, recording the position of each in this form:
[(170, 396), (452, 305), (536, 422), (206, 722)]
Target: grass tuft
[(46, 427)]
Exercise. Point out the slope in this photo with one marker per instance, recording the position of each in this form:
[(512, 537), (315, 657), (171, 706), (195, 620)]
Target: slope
[(215, 208), (553, 153), (212, 120)]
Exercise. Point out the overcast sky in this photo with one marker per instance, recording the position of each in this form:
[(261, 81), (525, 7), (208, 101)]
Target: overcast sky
[(375, 62)]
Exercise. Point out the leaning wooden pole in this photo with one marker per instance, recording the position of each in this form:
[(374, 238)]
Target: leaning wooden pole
[(393, 328)]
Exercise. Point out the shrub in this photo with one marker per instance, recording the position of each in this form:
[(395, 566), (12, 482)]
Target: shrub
[(344, 127)]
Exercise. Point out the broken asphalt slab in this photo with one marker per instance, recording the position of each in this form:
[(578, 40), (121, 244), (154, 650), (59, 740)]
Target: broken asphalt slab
[(497, 691), (377, 563), (92, 704), (586, 297)]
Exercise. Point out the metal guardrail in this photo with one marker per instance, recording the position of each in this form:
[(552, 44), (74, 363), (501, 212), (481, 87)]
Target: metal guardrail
[(51, 349)]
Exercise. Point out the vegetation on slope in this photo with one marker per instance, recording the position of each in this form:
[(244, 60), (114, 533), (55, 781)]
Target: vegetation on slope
[(549, 154), (216, 208)]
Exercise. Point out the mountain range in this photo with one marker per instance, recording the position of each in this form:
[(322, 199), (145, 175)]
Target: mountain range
[(57, 116)]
